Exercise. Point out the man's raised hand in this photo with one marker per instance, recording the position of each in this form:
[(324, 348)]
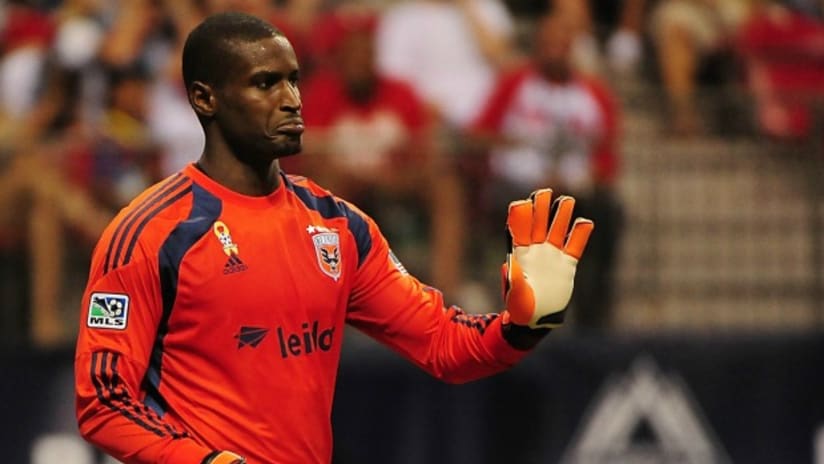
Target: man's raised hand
[(539, 272)]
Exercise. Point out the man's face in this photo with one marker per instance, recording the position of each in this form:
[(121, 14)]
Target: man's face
[(553, 46), (356, 54), (356, 62), (258, 104)]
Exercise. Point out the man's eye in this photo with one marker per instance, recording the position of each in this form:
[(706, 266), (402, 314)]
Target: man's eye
[(264, 85)]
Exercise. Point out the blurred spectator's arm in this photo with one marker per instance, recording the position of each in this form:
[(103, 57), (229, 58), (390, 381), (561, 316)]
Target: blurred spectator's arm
[(624, 46), (48, 106), (492, 35), (632, 15), (127, 35), (185, 16)]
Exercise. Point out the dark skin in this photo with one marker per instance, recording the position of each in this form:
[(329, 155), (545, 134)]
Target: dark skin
[(357, 65), (554, 38), (252, 118)]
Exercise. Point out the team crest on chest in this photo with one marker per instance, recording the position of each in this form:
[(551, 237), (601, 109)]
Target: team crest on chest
[(327, 249)]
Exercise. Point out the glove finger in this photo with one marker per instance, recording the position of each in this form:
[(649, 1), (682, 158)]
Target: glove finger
[(541, 203), (578, 237), (560, 222), (520, 301), (519, 222)]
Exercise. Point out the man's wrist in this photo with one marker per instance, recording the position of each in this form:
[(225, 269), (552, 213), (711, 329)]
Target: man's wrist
[(522, 337)]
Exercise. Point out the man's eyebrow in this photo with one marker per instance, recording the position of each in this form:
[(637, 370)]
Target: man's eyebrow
[(265, 74), (271, 73)]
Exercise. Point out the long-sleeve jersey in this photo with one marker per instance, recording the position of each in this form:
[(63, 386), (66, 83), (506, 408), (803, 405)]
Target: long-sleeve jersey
[(214, 320)]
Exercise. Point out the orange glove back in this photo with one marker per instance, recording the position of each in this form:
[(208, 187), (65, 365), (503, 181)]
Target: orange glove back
[(539, 272)]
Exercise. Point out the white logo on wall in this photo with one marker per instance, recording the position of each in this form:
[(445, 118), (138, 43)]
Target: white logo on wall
[(645, 416)]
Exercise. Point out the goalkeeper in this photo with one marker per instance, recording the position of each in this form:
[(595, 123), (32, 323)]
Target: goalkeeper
[(211, 325)]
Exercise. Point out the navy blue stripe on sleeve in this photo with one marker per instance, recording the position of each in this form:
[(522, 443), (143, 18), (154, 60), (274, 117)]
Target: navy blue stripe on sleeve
[(102, 385), (167, 186), (330, 208), (120, 394), (147, 205), (148, 218), (206, 209)]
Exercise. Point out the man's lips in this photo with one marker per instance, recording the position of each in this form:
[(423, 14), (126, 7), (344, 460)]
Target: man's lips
[(292, 127)]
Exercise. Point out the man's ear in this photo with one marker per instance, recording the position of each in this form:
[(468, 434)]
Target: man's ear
[(202, 98)]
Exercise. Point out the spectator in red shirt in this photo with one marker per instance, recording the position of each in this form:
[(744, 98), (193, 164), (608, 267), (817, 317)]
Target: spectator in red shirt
[(371, 140), (783, 56), (547, 125)]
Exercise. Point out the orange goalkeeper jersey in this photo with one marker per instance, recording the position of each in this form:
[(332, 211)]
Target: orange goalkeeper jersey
[(214, 320)]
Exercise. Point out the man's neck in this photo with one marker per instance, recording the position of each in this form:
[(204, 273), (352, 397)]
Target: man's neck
[(236, 175), (556, 75)]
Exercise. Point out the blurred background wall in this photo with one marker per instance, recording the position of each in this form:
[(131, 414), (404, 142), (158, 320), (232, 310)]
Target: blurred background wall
[(692, 131)]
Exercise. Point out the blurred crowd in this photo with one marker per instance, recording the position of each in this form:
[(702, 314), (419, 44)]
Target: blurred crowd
[(431, 115)]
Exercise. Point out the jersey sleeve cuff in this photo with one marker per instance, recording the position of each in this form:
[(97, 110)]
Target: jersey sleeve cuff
[(499, 347)]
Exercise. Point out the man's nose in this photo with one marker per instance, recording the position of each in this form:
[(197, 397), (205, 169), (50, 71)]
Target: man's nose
[(291, 99)]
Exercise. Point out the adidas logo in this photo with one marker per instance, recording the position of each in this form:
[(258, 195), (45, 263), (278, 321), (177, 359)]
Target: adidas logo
[(234, 264)]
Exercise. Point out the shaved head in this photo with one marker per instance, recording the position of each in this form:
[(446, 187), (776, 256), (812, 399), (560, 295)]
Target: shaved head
[(209, 51)]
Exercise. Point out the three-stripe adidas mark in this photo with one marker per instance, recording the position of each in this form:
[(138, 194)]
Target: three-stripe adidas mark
[(234, 264)]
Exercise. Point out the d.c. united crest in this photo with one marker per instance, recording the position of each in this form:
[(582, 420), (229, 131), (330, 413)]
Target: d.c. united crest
[(327, 248)]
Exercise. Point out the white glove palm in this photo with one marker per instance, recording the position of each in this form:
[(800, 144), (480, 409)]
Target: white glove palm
[(540, 270)]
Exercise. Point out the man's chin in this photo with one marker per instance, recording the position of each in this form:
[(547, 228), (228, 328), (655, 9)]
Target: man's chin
[(288, 149)]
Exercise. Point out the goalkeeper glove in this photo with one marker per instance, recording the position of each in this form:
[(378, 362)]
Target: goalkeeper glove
[(540, 267), (223, 457)]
